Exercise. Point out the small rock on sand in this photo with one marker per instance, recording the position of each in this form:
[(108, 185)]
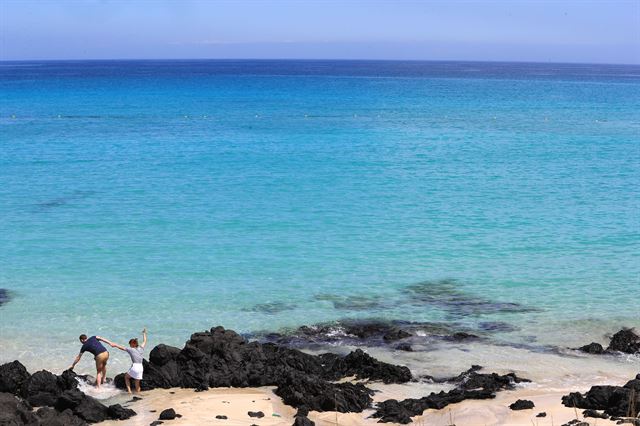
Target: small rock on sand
[(522, 404), (168, 414)]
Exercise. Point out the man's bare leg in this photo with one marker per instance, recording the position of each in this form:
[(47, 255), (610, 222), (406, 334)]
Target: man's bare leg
[(101, 368), (104, 371), (98, 374)]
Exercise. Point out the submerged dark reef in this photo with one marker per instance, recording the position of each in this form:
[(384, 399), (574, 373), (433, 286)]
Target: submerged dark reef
[(4, 296), (447, 295), (76, 195), (367, 333)]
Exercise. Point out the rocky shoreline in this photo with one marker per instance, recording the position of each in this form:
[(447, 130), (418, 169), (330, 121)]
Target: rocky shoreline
[(324, 382)]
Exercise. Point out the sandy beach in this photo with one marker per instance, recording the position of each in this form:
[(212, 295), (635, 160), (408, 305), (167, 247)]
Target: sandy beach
[(202, 408)]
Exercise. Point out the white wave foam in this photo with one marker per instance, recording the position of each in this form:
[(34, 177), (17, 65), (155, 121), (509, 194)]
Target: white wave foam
[(106, 391)]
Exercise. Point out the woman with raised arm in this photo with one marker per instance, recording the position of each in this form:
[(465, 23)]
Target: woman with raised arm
[(135, 351)]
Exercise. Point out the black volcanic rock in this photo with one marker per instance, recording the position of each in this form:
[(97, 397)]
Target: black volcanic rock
[(470, 385), (592, 348), (625, 340), (303, 421), (393, 411), (363, 366), (12, 376), (301, 418), (44, 389), (616, 401), (168, 414), (395, 334), (297, 389), (118, 412), (222, 358), (41, 389), (404, 347), (359, 332), (541, 414), (594, 414), (471, 379), (522, 404), (51, 417), (83, 406), (162, 354), (576, 422), (14, 411), (256, 414), (460, 336)]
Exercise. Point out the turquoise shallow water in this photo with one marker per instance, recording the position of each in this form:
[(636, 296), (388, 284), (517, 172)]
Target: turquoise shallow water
[(265, 194)]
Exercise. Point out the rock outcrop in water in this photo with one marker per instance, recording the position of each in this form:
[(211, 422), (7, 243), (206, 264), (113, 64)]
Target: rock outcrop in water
[(21, 391), (592, 348), (617, 401), (371, 332), (625, 341)]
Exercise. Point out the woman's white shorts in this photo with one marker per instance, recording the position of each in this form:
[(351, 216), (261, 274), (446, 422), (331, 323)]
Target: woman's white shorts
[(135, 372)]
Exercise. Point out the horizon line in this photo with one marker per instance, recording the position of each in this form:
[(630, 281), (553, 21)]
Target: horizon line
[(312, 60)]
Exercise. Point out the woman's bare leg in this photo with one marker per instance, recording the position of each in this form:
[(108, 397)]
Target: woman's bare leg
[(137, 385), (127, 382)]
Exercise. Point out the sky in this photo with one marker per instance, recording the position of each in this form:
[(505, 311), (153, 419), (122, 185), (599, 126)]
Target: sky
[(591, 31)]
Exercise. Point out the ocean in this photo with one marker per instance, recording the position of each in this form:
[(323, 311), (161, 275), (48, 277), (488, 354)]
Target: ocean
[(265, 195)]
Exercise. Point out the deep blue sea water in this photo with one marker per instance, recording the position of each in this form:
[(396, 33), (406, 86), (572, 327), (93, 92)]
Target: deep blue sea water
[(179, 195)]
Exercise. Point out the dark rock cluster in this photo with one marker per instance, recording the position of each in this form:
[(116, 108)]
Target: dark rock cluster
[(616, 401), (60, 399), (625, 341), (469, 385), (222, 358)]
